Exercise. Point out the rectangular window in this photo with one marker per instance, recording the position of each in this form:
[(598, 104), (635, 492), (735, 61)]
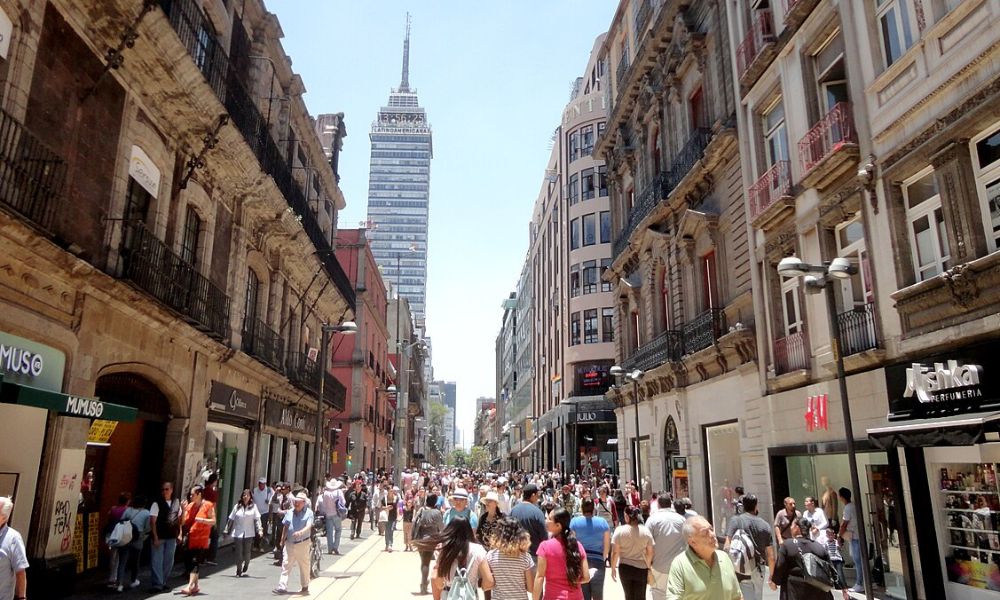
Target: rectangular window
[(605, 227), (699, 116), (590, 277), (587, 183), (791, 314), (856, 289), (607, 324), (574, 146), (137, 201), (590, 326), (574, 234), (589, 229), (574, 281), (775, 135), (987, 161), (253, 293), (925, 220), (573, 190), (602, 180), (605, 285), (189, 241), (894, 28), (574, 329), (709, 282), (587, 139), (600, 128)]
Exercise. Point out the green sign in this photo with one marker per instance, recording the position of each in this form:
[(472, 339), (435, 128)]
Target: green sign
[(65, 404), (30, 363)]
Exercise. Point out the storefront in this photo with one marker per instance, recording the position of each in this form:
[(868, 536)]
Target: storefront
[(946, 424), (593, 426), (721, 442), (286, 441), (232, 415)]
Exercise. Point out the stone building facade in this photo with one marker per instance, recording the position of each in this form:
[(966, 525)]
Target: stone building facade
[(166, 221)]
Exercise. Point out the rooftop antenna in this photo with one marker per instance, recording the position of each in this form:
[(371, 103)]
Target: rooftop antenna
[(404, 85)]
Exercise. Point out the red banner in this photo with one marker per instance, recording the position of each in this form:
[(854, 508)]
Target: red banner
[(816, 412)]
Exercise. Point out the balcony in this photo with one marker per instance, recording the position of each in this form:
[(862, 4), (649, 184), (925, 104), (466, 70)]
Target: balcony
[(684, 161), (796, 11), (153, 267), (703, 331), (221, 73), (857, 329), (666, 347), (31, 175), (757, 48), (770, 197), (646, 201), (263, 343), (791, 353), (830, 148), (642, 18), (302, 372), (622, 71)]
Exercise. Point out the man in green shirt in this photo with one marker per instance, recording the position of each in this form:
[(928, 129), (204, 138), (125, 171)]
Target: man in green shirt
[(702, 572)]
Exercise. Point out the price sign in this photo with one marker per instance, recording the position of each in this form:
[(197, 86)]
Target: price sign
[(100, 431)]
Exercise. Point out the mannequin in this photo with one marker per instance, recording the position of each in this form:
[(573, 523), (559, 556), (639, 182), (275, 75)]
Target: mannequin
[(828, 500)]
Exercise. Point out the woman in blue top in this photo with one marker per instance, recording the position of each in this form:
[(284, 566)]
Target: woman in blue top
[(595, 535)]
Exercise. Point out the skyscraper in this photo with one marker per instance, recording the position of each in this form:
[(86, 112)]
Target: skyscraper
[(398, 191)]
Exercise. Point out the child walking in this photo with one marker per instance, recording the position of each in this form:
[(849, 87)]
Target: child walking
[(836, 558)]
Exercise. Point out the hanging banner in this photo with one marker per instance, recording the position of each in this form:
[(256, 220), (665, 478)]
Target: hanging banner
[(679, 474), (816, 412), (144, 171)]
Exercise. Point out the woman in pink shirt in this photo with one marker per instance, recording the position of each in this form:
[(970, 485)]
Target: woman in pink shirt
[(562, 561)]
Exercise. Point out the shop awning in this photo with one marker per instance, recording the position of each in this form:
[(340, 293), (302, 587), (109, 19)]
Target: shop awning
[(951, 431), (524, 451), (64, 404)]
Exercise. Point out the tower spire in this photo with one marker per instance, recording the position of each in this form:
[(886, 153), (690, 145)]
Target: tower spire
[(404, 85)]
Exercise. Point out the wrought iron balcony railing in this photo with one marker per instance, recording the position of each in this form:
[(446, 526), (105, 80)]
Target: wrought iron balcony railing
[(857, 329), (31, 175), (304, 373), (774, 184), (693, 150), (152, 266), (791, 353), (666, 347), (197, 35), (622, 71), (645, 202), (642, 18), (827, 136), (703, 331), (263, 343), (760, 34)]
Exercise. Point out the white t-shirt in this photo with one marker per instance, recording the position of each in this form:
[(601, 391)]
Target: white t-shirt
[(477, 554), (850, 516), (818, 520)]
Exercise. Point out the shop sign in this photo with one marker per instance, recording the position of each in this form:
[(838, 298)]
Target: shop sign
[(27, 362), (231, 401), (679, 474), (944, 385), (100, 431), (592, 416), (281, 416), (144, 171), (816, 412), (64, 404)]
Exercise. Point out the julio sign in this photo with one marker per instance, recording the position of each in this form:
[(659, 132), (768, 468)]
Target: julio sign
[(231, 401), (945, 384)]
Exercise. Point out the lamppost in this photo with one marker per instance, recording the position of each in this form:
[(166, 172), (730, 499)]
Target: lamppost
[(402, 402), (819, 278), (347, 328), (634, 376)]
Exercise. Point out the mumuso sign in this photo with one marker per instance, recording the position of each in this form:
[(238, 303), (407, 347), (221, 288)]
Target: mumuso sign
[(942, 385)]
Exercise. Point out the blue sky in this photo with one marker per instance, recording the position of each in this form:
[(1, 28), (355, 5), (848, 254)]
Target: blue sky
[(493, 77)]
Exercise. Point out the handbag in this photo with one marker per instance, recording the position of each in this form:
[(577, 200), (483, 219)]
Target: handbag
[(383, 516), (817, 572)]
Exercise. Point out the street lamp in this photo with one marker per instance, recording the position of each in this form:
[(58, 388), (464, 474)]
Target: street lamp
[(817, 279), (346, 328), (634, 376), (402, 402)]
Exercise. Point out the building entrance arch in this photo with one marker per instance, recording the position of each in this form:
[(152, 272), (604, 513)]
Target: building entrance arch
[(671, 448)]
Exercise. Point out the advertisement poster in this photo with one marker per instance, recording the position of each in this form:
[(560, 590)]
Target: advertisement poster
[(67, 498), (679, 474)]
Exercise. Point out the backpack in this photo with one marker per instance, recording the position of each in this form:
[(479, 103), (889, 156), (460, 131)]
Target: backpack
[(122, 534), (743, 552), (461, 588)]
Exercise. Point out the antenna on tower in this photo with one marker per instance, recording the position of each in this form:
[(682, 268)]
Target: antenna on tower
[(404, 85)]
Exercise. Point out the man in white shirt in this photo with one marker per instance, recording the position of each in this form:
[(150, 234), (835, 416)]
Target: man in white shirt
[(333, 504), (13, 557), (262, 495), (504, 496), (849, 531), (815, 514), (669, 541)]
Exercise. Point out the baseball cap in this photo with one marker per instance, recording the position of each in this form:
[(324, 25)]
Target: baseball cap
[(262, 480)]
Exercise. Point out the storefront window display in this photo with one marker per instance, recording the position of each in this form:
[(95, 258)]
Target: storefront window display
[(725, 470), (263, 453), (226, 455), (644, 444), (969, 515)]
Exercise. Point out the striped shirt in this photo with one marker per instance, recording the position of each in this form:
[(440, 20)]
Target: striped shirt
[(508, 572)]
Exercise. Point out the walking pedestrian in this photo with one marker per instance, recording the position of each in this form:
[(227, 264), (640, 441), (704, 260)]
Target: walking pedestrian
[(788, 570), (605, 508), (374, 506), (410, 500), (666, 527), (262, 495), (212, 495), (817, 518), (280, 505), (244, 526), (632, 554), (832, 543), (333, 505), (296, 540), (199, 517), (165, 529), (427, 523), (784, 519), (456, 549), (702, 572), (357, 502), (562, 561), (531, 518), (128, 573), (489, 519), (115, 514), (460, 508), (13, 558), (390, 504), (509, 560), (595, 534), (755, 549)]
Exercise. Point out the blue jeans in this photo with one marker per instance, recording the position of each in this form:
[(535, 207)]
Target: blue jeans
[(858, 566), (595, 589), (390, 528), (162, 561), (333, 527)]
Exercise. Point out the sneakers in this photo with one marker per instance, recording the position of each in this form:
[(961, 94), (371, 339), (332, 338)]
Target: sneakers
[(859, 589), (119, 588), (279, 592), (134, 584)]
